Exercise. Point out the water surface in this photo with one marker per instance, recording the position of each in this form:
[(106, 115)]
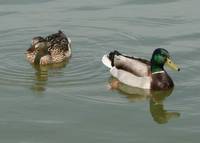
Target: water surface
[(71, 102)]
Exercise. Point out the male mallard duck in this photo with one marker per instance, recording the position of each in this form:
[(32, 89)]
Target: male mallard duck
[(141, 73), (52, 49)]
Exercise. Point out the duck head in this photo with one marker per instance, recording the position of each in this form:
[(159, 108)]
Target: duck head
[(161, 57), (39, 46)]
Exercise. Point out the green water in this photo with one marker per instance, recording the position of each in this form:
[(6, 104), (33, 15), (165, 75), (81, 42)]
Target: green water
[(71, 102)]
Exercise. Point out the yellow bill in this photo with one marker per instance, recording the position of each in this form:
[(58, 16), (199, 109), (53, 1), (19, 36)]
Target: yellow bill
[(172, 65)]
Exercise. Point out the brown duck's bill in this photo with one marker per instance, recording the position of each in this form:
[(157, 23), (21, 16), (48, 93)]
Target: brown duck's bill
[(172, 65)]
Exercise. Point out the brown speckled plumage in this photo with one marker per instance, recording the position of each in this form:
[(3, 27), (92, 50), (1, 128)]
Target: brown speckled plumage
[(55, 49)]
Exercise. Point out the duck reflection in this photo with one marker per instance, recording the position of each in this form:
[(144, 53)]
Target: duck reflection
[(159, 114), (42, 74), (155, 98)]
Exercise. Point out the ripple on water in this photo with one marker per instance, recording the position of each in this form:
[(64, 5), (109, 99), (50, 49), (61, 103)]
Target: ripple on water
[(16, 72), (83, 76), (144, 2), (19, 2), (83, 67), (12, 71)]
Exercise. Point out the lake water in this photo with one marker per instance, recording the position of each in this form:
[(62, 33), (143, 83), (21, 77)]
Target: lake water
[(71, 102)]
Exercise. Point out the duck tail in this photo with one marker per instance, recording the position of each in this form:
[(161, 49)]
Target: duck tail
[(111, 56)]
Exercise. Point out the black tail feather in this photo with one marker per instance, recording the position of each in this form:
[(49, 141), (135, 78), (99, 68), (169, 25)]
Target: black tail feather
[(112, 55)]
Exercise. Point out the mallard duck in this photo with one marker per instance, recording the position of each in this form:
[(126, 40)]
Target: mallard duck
[(52, 49), (141, 73)]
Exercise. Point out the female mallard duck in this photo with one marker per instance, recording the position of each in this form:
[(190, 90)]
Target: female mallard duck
[(141, 73), (52, 49)]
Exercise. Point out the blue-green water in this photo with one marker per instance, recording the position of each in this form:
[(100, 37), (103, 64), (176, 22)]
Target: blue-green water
[(71, 102)]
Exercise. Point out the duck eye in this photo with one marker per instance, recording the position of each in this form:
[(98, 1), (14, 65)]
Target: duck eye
[(163, 55), (37, 49)]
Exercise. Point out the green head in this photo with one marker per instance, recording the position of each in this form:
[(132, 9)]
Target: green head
[(161, 57), (40, 47)]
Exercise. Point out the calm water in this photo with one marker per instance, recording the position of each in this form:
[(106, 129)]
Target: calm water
[(71, 102)]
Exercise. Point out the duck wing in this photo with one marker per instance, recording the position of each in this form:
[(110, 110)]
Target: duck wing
[(131, 71), (58, 41), (136, 66)]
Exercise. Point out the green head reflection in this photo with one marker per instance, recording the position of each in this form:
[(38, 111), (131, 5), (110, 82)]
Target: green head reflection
[(159, 114), (156, 100)]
